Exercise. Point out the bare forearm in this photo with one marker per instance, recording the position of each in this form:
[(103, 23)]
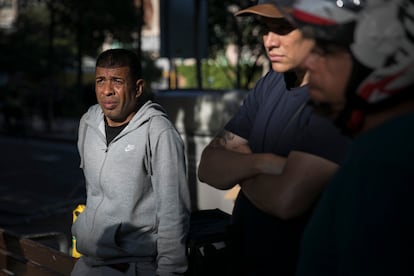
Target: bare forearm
[(272, 195), (295, 190), (223, 168), (228, 159), (268, 193)]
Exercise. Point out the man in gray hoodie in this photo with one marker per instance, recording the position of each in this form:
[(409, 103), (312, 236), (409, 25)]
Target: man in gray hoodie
[(138, 205)]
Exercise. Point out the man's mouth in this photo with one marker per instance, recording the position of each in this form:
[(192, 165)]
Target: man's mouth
[(109, 104)]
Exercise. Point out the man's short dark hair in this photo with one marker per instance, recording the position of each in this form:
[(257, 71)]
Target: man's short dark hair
[(114, 58)]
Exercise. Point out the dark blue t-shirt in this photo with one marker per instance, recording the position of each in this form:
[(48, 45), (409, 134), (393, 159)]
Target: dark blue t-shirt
[(276, 120), (363, 224)]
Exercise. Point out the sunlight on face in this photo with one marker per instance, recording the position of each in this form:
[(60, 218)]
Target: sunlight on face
[(285, 46), (116, 93)]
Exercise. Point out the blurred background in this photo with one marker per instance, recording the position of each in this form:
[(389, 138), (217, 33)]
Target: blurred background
[(197, 58)]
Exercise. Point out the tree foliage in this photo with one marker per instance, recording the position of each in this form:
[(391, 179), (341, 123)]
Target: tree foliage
[(45, 49), (42, 54), (60, 28), (225, 29)]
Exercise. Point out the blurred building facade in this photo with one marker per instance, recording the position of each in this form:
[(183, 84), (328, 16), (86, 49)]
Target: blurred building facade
[(8, 13)]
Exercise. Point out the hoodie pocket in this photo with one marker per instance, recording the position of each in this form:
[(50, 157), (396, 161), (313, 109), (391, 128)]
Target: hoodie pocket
[(96, 234)]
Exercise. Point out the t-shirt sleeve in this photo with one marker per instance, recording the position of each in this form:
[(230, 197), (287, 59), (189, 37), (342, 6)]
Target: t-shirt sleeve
[(242, 122)]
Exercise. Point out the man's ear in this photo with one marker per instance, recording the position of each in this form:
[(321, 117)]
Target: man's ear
[(139, 87)]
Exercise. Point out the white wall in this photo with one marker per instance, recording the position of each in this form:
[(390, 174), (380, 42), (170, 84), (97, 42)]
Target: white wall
[(199, 116)]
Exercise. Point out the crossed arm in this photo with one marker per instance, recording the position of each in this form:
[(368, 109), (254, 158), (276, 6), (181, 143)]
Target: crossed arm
[(227, 160), (295, 190), (283, 187)]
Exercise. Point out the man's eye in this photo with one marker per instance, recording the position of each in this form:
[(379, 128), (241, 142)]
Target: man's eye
[(284, 27), (284, 30), (277, 29)]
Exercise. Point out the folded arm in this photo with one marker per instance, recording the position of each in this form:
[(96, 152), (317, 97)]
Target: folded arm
[(293, 191), (228, 159)]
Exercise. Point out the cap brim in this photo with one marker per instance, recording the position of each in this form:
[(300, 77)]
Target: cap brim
[(266, 10)]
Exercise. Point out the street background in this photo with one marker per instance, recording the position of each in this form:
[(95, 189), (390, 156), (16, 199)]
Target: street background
[(41, 184), (47, 82)]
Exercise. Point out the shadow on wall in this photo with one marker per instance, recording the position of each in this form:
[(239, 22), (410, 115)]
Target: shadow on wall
[(199, 116)]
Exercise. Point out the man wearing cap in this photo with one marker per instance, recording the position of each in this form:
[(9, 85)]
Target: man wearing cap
[(278, 150), (362, 72)]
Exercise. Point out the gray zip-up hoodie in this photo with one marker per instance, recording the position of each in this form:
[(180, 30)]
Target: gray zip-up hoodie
[(138, 203)]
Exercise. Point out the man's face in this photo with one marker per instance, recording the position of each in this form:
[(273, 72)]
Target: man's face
[(329, 68), (285, 46), (117, 94)]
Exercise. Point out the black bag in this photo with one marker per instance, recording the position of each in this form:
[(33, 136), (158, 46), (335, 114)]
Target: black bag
[(207, 243)]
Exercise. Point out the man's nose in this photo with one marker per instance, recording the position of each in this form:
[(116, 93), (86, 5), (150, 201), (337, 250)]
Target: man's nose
[(271, 39), (107, 88)]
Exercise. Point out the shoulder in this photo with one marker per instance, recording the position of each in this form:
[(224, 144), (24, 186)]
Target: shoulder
[(271, 78), (92, 114), (159, 124), (163, 133), (160, 121), (94, 109), (269, 84)]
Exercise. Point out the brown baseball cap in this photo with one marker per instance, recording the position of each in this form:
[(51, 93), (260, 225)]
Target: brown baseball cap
[(264, 8)]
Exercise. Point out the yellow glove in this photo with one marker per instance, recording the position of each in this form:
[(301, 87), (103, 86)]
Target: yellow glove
[(76, 212)]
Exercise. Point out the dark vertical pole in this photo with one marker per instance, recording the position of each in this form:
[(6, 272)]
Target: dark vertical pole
[(197, 45), (173, 74), (239, 47), (165, 15), (141, 12), (50, 87), (79, 44)]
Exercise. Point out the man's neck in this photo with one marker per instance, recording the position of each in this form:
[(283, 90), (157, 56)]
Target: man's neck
[(302, 77), (296, 78)]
